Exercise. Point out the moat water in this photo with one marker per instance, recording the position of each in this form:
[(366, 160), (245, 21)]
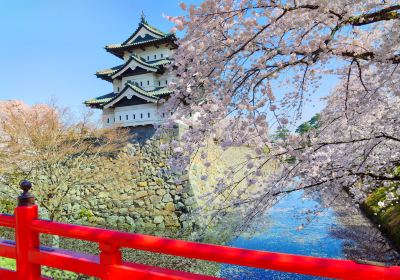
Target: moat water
[(332, 234)]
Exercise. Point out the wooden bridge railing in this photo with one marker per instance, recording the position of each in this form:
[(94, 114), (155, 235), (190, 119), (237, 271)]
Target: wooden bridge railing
[(30, 256)]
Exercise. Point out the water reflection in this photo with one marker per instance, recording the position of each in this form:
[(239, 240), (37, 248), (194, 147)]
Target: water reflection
[(328, 235)]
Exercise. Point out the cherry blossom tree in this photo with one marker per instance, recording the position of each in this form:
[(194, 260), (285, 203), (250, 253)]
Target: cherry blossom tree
[(247, 66), (62, 157)]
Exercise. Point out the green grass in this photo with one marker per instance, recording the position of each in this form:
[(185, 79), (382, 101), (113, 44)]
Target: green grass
[(388, 217), (7, 263)]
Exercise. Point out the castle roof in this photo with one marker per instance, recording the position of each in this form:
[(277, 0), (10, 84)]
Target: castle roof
[(133, 62), (130, 89), (98, 101), (144, 35)]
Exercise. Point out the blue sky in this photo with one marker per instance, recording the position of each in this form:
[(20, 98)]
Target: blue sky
[(51, 49)]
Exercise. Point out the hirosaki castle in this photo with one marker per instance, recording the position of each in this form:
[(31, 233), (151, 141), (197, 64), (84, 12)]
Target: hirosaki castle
[(140, 82)]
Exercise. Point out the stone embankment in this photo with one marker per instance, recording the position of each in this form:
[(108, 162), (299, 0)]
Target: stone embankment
[(154, 200)]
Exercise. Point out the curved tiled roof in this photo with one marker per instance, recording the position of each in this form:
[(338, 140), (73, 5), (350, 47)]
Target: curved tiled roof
[(107, 74), (155, 95), (96, 102), (159, 91), (141, 61), (143, 23), (117, 49)]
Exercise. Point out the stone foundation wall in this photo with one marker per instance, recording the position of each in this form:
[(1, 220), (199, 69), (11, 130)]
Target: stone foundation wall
[(153, 201)]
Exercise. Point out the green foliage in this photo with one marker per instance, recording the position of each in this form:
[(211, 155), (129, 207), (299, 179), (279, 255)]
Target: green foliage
[(85, 213), (266, 150), (291, 159), (7, 205), (7, 263), (62, 274), (307, 126), (388, 217), (281, 133)]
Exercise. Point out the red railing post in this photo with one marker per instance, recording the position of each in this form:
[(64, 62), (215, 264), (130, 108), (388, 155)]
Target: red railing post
[(109, 255), (26, 240)]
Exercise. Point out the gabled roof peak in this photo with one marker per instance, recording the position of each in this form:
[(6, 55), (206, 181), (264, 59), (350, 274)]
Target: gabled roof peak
[(111, 99), (144, 35), (155, 33), (151, 66)]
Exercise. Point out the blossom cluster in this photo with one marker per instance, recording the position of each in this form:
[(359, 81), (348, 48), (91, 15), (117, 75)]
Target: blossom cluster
[(246, 67)]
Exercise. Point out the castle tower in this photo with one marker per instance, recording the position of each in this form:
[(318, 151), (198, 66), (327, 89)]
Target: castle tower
[(140, 82)]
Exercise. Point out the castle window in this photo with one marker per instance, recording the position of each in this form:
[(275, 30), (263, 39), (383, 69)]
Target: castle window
[(148, 57), (155, 56), (148, 83), (148, 115), (162, 55), (134, 117), (141, 115), (108, 120), (163, 115), (141, 84), (159, 83), (114, 119), (118, 89), (126, 116), (120, 118), (166, 82)]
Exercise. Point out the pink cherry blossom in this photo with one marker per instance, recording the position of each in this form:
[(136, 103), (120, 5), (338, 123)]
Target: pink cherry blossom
[(253, 66)]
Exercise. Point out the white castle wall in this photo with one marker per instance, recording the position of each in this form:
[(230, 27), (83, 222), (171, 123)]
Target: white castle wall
[(147, 81), (143, 114), (117, 85), (151, 53)]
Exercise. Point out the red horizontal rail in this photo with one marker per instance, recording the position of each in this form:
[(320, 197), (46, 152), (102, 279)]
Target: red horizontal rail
[(7, 249), (141, 271), (90, 265), (12, 275), (223, 254), (7, 221), (7, 274), (66, 260), (30, 256)]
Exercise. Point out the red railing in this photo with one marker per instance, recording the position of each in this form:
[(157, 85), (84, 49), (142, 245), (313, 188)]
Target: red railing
[(30, 256)]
